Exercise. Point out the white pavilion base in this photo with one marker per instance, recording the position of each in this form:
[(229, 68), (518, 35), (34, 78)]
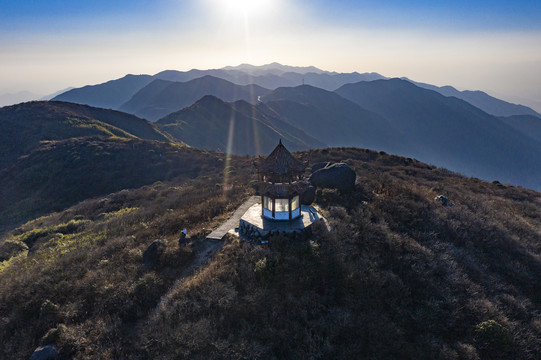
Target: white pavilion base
[(253, 226)]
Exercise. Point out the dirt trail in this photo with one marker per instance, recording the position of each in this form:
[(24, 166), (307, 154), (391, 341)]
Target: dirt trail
[(205, 249)]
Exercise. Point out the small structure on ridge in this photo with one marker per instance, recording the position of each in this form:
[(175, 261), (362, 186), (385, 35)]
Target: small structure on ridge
[(280, 184)]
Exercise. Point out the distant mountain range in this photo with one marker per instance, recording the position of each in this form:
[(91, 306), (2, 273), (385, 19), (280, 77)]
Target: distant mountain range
[(18, 97), (481, 100), (209, 112), (333, 119), (163, 97), (115, 93), (452, 133)]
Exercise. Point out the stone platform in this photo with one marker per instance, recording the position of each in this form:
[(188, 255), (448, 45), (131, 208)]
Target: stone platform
[(253, 226)]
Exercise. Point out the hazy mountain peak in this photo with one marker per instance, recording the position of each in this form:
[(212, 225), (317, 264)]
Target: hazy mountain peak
[(480, 99), (274, 67), (14, 98)]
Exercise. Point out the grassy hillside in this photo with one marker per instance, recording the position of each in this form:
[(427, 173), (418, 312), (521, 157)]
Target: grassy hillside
[(24, 126), (398, 277), (61, 173)]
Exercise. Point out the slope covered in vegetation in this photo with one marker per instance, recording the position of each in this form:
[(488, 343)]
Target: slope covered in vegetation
[(24, 126), (61, 173), (399, 276)]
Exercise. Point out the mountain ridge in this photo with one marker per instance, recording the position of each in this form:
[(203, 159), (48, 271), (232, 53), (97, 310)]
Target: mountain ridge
[(286, 76), (238, 128), (482, 100), (24, 126), (161, 97), (454, 133), (332, 118)]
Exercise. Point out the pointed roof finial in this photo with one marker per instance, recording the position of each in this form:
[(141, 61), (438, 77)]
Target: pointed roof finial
[(280, 141)]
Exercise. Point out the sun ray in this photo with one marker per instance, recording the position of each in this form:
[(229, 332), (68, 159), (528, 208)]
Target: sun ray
[(229, 150)]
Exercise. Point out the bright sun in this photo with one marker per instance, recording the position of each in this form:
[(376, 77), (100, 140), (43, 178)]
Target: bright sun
[(247, 6)]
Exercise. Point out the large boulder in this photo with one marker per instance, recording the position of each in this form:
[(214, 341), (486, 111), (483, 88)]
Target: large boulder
[(318, 166), (308, 196), (154, 251), (47, 352), (336, 176)]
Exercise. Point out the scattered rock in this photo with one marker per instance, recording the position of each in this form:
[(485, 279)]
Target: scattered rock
[(336, 176), (47, 352), (152, 254), (308, 196), (444, 201)]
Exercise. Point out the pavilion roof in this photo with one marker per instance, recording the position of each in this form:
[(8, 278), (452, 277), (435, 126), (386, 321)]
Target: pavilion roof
[(280, 164)]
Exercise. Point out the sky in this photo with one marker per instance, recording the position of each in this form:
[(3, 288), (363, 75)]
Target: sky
[(494, 46)]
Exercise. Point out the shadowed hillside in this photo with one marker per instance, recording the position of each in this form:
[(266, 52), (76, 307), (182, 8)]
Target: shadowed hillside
[(335, 120), (61, 173), (237, 128), (161, 97), (452, 133), (399, 276), (482, 100), (24, 126), (525, 124)]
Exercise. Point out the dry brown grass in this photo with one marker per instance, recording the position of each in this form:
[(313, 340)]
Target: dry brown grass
[(398, 277)]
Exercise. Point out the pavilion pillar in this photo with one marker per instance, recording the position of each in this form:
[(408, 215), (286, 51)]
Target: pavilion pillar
[(273, 208), (262, 205), (289, 207)]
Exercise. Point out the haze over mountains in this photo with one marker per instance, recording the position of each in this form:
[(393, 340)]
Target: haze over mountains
[(162, 97), (113, 94), (246, 109), (452, 133)]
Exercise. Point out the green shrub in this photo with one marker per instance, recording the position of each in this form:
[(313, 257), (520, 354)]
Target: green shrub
[(493, 339), (265, 269)]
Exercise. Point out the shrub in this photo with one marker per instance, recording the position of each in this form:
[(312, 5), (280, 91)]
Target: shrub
[(10, 248), (494, 340)]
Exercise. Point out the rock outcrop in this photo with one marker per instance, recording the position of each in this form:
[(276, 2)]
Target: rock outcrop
[(335, 176), (152, 254), (308, 196), (47, 352)]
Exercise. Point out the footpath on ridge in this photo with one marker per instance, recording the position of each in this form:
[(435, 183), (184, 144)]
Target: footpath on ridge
[(233, 221), (208, 247)]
